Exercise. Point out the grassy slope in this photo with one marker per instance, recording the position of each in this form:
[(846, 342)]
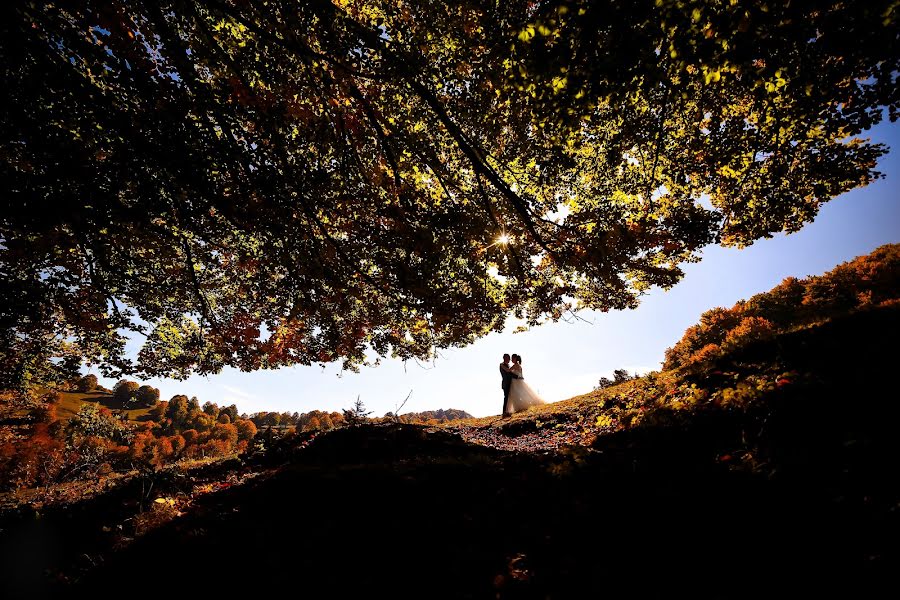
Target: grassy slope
[(70, 403), (717, 482)]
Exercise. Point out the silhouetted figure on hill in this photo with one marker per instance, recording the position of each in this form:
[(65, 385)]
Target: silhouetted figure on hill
[(520, 395), (507, 375)]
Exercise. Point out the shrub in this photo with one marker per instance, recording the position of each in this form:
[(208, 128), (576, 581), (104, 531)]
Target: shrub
[(227, 433), (158, 413), (619, 376), (750, 329), (231, 411), (88, 383), (246, 429), (46, 412), (147, 396), (177, 410), (92, 420), (704, 354), (190, 437), (160, 512), (125, 391), (178, 444), (37, 460)]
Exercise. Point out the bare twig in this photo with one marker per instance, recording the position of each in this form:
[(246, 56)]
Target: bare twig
[(397, 409)]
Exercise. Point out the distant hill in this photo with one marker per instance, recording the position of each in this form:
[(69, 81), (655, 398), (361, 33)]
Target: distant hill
[(429, 416)]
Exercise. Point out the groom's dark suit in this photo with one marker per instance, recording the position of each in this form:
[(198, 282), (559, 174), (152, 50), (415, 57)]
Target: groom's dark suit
[(507, 378)]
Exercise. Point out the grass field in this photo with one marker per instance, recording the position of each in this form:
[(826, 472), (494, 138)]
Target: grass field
[(70, 403)]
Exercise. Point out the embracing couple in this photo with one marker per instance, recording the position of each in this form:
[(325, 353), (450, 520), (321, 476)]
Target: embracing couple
[(517, 395)]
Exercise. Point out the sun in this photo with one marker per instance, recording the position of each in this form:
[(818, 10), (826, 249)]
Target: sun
[(503, 239)]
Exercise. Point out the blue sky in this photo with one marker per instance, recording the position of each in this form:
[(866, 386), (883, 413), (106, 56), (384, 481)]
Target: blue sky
[(566, 359)]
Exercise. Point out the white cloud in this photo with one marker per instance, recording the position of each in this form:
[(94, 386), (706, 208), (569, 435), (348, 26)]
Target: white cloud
[(238, 392)]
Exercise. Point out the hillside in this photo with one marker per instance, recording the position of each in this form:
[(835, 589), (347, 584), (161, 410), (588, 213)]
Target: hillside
[(763, 470), (71, 402)]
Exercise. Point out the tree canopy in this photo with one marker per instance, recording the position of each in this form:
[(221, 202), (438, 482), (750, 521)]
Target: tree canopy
[(258, 184)]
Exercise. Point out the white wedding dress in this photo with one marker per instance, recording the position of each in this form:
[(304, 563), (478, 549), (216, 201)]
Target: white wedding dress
[(521, 396)]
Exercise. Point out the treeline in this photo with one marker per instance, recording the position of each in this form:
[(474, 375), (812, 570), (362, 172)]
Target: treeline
[(429, 417), (321, 420), (310, 421), (865, 281)]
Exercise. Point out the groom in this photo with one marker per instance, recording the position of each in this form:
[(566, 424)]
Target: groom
[(506, 380)]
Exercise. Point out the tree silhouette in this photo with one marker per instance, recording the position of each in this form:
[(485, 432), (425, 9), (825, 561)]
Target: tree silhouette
[(619, 376), (257, 185), (147, 396), (356, 414), (125, 391), (88, 383)]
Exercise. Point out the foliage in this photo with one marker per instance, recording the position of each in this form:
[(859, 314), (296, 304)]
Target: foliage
[(357, 414), (863, 282), (257, 185), (159, 513), (97, 441), (159, 411), (619, 376), (231, 411), (88, 383), (95, 421), (147, 396), (430, 417), (125, 391), (246, 429), (177, 410), (36, 461), (748, 330), (313, 420)]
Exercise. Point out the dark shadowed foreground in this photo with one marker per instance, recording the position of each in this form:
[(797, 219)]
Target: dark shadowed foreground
[(658, 510)]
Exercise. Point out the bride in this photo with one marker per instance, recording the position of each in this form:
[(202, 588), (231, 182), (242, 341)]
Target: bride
[(521, 396)]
